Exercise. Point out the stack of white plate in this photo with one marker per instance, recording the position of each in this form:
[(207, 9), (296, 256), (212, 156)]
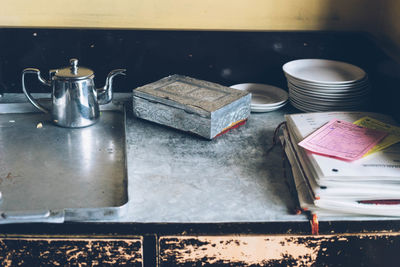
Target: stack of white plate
[(326, 85), (264, 98)]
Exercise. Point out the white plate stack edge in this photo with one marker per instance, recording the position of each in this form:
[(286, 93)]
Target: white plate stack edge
[(326, 85)]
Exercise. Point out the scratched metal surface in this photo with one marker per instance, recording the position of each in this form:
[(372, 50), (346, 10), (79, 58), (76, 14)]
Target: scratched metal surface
[(178, 177), (175, 177), (47, 170)]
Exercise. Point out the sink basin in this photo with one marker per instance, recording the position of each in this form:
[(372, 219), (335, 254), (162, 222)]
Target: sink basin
[(54, 174)]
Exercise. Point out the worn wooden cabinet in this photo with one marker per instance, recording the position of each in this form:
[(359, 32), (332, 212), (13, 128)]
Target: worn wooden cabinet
[(361, 249), (201, 244), (70, 251), (378, 249)]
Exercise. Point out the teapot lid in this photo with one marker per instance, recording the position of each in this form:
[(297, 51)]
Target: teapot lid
[(74, 72)]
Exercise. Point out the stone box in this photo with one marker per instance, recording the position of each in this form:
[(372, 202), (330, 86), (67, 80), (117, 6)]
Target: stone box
[(196, 106)]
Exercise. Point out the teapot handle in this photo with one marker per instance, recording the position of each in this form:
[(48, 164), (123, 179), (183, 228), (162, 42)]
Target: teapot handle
[(27, 94)]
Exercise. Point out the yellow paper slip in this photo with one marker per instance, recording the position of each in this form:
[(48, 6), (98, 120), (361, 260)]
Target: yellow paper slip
[(392, 138)]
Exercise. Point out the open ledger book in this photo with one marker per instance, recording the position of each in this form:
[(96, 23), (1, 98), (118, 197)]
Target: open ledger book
[(327, 186)]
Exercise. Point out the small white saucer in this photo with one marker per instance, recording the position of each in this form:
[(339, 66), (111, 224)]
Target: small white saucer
[(264, 95)]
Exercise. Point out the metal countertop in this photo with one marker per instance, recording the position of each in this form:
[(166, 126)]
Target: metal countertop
[(175, 177)]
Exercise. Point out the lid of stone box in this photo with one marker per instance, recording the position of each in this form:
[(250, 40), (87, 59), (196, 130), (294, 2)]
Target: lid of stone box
[(193, 95)]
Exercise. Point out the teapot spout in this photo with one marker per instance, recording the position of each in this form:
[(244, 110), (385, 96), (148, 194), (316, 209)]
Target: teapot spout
[(105, 94)]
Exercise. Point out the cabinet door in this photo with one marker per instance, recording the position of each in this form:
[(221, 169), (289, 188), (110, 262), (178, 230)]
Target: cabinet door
[(380, 249), (43, 251)]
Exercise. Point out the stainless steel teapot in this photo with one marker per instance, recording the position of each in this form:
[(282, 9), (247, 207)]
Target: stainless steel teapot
[(75, 100)]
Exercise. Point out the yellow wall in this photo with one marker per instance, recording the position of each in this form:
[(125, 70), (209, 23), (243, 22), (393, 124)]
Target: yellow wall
[(190, 14), (380, 17), (388, 29)]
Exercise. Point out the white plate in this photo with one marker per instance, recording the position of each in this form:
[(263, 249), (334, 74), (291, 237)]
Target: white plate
[(328, 94), (341, 85), (267, 109), (301, 107), (264, 95), (319, 103), (328, 105), (327, 101), (323, 106), (329, 97), (308, 108), (323, 71), (364, 82)]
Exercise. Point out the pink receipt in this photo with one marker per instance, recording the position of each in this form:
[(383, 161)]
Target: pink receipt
[(342, 139)]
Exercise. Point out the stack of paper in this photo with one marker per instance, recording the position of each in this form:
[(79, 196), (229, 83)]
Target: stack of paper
[(330, 186)]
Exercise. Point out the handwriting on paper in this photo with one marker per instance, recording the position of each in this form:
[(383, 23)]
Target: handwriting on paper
[(342, 140)]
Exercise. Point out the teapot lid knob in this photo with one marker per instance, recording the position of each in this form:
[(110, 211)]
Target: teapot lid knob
[(73, 72), (74, 65)]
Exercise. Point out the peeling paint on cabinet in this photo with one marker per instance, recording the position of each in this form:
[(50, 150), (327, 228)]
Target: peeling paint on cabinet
[(71, 252), (278, 250)]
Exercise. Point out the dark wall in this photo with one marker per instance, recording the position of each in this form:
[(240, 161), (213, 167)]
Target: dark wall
[(223, 57)]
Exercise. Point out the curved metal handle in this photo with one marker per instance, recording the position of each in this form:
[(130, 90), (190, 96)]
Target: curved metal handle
[(105, 94), (27, 94), (116, 72)]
